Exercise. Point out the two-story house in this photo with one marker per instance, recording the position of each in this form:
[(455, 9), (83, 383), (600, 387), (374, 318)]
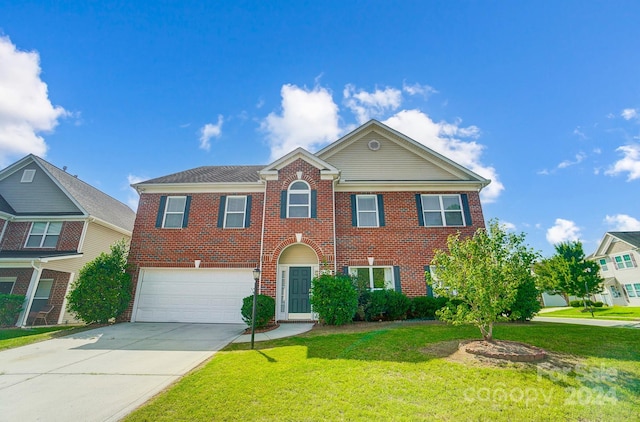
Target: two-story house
[(618, 255), (51, 225), (374, 203)]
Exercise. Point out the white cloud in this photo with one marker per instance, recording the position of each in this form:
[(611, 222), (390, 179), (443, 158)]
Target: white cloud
[(623, 222), (508, 226), (629, 163), (209, 131), (630, 113), (418, 89), (25, 109), (309, 119), (563, 231), (443, 138), (366, 105), (568, 163)]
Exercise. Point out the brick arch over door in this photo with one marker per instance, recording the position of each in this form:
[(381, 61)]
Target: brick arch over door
[(277, 251)]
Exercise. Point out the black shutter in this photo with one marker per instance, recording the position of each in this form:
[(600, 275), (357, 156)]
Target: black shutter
[(380, 211), (160, 216), (419, 207), (396, 278), (223, 201), (465, 209), (283, 204), (427, 269), (354, 211), (247, 212), (314, 204), (345, 270), (187, 206)]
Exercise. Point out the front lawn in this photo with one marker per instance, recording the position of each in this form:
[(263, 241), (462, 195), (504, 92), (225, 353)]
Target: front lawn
[(623, 313), (400, 372), (16, 337)]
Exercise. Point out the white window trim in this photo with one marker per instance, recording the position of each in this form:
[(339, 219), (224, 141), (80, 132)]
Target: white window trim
[(623, 265), (631, 290), (227, 212), (44, 235), (27, 176), (167, 212), (298, 192), (377, 212), (11, 280), (353, 271), (605, 266), (442, 210)]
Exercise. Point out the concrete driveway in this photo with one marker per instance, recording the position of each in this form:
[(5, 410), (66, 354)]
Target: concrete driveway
[(105, 373)]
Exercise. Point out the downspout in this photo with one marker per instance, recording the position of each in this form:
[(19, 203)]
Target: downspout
[(335, 239), (24, 314)]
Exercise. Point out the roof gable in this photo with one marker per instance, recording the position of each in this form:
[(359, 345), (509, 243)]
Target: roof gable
[(611, 243), (375, 152), (326, 169)]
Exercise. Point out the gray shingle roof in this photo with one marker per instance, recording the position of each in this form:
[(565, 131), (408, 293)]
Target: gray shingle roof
[(211, 174), (94, 201), (632, 238)]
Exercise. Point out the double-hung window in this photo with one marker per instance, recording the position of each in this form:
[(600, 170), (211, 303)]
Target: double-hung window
[(375, 278), (603, 264), (623, 261), (633, 290), (367, 210), (44, 235), (442, 210), (299, 200), (236, 207), (6, 284), (174, 212)]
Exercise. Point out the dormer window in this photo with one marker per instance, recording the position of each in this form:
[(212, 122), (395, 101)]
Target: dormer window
[(299, 200), (27, 176)]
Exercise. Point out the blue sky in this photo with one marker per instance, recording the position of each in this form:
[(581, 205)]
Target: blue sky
[(542, 97)]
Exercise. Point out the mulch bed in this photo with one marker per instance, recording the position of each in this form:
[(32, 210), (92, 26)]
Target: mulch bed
[(262, 330), (502, 349)]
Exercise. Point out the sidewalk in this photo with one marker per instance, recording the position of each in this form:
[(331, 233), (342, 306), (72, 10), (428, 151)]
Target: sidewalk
[(589, 321), (284, 330)]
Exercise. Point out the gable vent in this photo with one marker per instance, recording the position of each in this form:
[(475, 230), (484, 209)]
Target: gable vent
[(27, 176), (374, 145)]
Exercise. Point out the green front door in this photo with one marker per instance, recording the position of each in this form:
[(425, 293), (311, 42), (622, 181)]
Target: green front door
[(299, 286)]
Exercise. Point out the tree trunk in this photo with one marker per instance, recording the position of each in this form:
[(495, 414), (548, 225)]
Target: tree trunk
[(487, 333)]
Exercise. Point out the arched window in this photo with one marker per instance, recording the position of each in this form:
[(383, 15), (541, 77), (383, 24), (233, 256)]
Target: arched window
[(299, 200)]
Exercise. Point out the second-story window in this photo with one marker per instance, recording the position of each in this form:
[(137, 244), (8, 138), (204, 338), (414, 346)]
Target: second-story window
[(442, 210), (174, 211), (367, 206), (603, 264), (235, 212), (44, 235), (299, 200), (623, 261)]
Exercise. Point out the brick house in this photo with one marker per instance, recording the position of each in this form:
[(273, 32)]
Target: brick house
[(51, 225), (374, 203)]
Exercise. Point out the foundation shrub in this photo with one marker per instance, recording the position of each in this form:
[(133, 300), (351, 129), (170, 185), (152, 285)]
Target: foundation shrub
[(265, 310)]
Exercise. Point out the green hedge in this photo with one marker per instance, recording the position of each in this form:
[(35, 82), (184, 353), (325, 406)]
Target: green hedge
[(265, 310), (10, 307), (334, 298), (425, 307), (580, 303)]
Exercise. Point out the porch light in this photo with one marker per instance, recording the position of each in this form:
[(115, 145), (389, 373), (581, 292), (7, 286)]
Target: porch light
[(256, 278)]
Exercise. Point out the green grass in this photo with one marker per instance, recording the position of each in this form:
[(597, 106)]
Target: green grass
[(16, 337), (398, 372), (623, 313)]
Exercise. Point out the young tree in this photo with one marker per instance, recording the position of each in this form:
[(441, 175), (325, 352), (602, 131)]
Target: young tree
[(102, 291), (568, 272), (484, 272)]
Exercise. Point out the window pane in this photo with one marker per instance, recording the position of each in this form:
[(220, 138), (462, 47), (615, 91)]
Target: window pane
[(298, 211), (378, 278), (176, 204), (432, 219), (637, 286), (44, 289), (34, 241), (367, 219), (54, 228), (5, 287), (629, 289), (299, 198), (235, 204), (173, 220), (453, 218), (430, 203), (38, 228), (451, 202), (363, 276), (235, 220), (298, 186), (366, 203), (50, 241)]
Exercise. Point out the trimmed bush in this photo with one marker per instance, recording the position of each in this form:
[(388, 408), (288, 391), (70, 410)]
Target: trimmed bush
[(580, 303), (334, 298), (598, 304), (398, 305), (265, 310), (425, 307), (386, 305), (10, 307), (376, 306)]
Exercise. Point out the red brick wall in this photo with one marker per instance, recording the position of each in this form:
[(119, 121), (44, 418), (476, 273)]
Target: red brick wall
[(402, 241), (17, 232), (23, 277)]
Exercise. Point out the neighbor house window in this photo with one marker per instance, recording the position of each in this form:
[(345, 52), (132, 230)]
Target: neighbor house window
[(299, 200), (375, 278), (623, 261), (603, 264), (44, 235), (6, 284), (442, 210), (174, 212), (633, 290), (236, 207)]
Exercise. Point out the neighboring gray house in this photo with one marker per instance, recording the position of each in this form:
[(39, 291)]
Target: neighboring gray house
[(618, 255), (51, 225)]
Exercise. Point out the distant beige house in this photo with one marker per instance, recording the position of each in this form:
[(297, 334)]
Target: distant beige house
[(618, 255), (51, 225)]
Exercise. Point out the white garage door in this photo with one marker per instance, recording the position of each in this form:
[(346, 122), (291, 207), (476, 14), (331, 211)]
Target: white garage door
[(194, 295)]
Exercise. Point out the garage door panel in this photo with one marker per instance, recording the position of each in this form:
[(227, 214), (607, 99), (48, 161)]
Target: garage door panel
[(208, 296)]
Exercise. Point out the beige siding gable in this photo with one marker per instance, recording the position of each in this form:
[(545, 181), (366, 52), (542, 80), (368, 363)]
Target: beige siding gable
[(617, 247), (393, 161)]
